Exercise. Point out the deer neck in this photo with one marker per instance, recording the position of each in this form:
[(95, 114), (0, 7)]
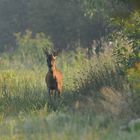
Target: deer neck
[(53, 69)]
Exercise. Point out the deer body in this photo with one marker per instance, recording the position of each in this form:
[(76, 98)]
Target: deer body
[(54, 81), (53, 77)]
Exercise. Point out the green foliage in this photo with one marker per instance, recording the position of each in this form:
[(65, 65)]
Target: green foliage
[(30, 49), (90, 96), (112, 8), (58, 125), (133, 32), (71, 64), (107, 8), (86, 19), (134, 125), (98, 73), (133, 75), (122, 51), (19, 91), (130, 30), (94, 92)]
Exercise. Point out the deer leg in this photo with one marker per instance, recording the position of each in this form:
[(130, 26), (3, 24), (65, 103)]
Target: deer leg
[(59, 89), (51, 93), (59, 93)]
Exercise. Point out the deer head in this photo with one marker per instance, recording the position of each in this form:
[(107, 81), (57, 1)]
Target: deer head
[(51, 57)]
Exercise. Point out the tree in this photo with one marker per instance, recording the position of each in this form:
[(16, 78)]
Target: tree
[(113, 8), (13, 19)]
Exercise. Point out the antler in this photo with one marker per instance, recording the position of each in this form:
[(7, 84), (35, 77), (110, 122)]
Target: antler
[(55, 52), (46, 51)]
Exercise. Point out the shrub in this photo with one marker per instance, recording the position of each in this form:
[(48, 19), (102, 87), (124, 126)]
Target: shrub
[(99, 72), (133, 75), (131, 29), (122, 51), (30, 47)]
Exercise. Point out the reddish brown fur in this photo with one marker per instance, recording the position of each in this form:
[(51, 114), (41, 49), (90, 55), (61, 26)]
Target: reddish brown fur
[(54, 81), (53, 77)]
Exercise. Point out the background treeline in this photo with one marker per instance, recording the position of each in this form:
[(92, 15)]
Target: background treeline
[(68, 23)]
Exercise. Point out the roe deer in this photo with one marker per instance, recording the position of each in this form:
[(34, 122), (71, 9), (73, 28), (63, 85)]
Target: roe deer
[(53, 77)]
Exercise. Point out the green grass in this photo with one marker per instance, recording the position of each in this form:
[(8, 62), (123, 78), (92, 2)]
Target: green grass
[(62, 126), (91, 108)]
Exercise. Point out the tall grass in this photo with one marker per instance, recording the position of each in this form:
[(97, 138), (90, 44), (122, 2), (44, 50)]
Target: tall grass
[(100, 72), (21, 91), (62, 126), (90, 108)]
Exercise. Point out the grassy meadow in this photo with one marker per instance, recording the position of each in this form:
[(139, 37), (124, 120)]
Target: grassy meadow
[(95, 102), (98, 46)]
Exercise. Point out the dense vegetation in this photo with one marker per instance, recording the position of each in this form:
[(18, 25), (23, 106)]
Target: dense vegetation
[(99, 43)]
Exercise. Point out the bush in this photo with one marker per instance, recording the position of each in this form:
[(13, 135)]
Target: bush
[(133, 75), (99, 72), (30, 47), (131, 29), (122, 51)]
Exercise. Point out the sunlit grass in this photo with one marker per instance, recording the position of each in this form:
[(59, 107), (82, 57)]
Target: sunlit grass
[(20, 91), (90, 108)]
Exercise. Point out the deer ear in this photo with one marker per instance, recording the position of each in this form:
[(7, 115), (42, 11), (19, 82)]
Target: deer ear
[(46, 51), (54, 57)]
